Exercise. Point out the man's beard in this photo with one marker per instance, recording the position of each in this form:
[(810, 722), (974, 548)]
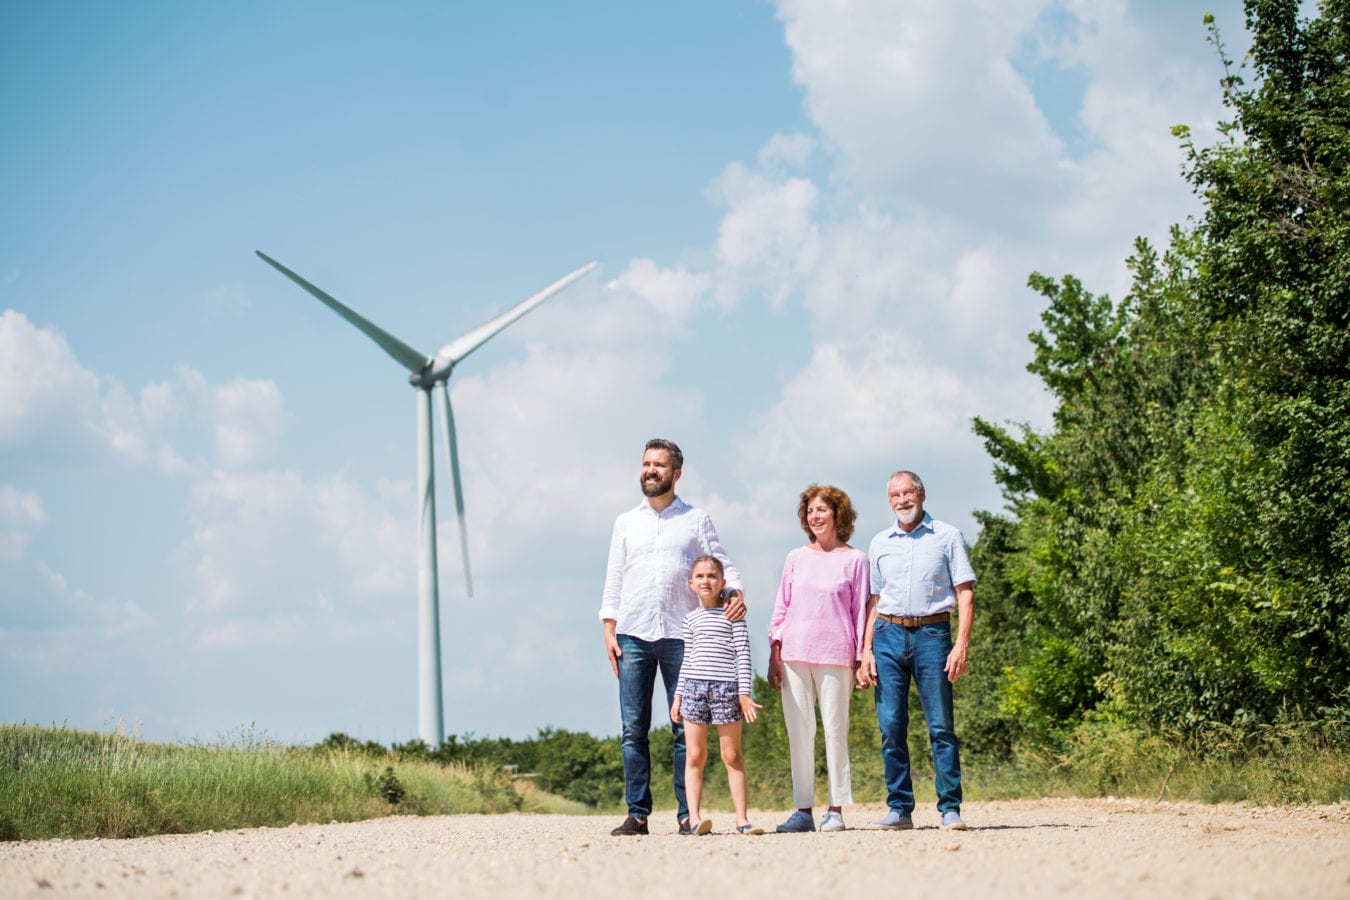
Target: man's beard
[(655, 486), (909, 516)]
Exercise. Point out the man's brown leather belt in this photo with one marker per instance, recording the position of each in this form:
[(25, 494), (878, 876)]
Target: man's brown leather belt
[(915, 621)]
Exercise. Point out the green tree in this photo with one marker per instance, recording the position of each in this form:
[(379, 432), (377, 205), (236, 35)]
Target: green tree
[(1277, 253), (1178, 545)]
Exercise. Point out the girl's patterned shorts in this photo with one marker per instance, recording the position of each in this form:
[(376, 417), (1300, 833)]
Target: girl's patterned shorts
[(710, 702)]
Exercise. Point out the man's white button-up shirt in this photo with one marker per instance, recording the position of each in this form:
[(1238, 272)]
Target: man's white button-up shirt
[(647, 590)]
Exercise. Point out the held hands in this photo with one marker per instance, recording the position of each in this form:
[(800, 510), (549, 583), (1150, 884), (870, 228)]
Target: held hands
[(675, 711), (866, 670), (748, 707)]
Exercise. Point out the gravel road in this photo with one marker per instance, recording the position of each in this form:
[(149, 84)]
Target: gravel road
[(1039, 848)]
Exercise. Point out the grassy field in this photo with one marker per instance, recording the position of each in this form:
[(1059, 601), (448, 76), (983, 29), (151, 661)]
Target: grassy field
[(59, 782), (64, 783)]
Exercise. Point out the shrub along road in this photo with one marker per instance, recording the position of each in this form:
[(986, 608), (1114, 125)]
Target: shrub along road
[(1069, 848)]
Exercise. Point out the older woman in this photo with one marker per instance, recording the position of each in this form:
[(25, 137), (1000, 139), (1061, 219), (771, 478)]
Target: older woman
[(815, 640)]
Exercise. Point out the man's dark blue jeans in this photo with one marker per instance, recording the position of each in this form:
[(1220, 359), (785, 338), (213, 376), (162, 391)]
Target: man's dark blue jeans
[(637, 679), (919, 653)]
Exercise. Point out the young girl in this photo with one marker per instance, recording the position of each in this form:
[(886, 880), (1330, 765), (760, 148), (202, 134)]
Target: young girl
[(714, 689)]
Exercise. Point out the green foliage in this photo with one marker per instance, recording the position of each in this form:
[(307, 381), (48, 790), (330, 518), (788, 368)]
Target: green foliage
[(1178, 550), (574, 765), (1000, 634), (342, 742), (416, 749), (387, 786), (580, 767)]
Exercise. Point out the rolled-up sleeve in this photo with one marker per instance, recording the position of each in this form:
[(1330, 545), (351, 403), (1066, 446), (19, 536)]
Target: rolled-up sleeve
[(958, 561)]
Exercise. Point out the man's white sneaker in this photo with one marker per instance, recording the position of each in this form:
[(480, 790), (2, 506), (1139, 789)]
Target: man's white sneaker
[(951, 820), (831, 821)]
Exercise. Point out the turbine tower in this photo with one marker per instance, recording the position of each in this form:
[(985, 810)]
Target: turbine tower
[(429, 374)]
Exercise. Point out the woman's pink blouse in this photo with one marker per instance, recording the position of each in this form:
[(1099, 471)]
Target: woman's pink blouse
[(821, 608)]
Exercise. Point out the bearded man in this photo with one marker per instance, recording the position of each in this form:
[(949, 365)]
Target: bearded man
[(646, 598), (921, 573)]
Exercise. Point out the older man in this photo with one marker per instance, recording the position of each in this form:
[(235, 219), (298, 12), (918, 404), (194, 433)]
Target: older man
[(920, 574), (646, 598)]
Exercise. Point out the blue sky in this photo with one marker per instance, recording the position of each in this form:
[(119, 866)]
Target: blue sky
[(814, 223)]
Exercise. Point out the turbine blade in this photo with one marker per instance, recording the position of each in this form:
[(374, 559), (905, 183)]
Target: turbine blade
[(455, 481), (462, 346), (410, 358)]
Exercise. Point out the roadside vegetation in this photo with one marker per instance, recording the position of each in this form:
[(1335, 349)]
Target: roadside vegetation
[(1168, 586), (62, 783)]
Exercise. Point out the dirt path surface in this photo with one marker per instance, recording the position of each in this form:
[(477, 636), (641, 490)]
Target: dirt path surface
[(1067, 848)]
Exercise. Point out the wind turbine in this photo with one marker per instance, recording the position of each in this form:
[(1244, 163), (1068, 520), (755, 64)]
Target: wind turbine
[(427, 374)]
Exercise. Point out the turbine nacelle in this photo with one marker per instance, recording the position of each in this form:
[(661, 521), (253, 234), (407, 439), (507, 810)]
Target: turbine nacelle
[(437, 370), (441, 366)]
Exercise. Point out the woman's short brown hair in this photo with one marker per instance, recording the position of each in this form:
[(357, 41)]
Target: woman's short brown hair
[(844, 514)]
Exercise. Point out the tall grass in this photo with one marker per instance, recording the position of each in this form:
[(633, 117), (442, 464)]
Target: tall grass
[(60, 782)]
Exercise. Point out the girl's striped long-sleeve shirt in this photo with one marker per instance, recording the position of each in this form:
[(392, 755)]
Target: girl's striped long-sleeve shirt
[(715, 650)]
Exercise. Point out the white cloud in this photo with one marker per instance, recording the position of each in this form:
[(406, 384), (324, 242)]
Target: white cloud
[(553, 440), (853, 407), (160, 403), (44, 391), (919, 102), (248, 416), (53, 408), (20, 515), (674, 293), (261, 536), (787, 151), (767, 238)]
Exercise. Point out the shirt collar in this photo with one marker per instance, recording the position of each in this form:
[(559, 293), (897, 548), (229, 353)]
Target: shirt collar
[(675, 505), (925, 523)]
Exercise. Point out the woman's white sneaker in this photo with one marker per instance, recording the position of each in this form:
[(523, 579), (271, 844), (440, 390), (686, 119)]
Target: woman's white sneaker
[(831, 821)]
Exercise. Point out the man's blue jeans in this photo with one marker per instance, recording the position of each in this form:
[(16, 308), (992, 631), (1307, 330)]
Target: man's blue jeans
[(637, 679), (920, 653)]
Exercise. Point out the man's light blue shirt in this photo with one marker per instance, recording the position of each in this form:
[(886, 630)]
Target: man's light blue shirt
[(915, 573)]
